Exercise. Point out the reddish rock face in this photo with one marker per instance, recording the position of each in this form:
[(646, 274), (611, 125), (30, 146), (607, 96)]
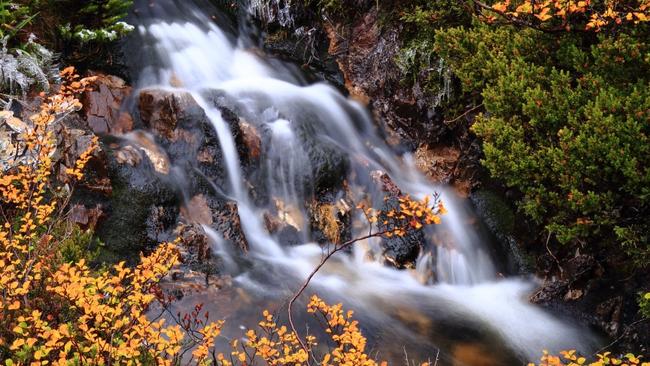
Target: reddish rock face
[(441, 165), (160, 110), (251, 139), (102, 106), (85, 217), (197, 211)]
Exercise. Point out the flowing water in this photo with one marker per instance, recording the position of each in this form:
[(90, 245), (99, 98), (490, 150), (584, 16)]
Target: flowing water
[(452, 306)]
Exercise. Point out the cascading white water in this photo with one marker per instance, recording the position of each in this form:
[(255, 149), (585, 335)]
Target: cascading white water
[(201, 57)]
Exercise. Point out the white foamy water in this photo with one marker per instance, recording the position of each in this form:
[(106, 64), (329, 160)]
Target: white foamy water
[(456, 280)]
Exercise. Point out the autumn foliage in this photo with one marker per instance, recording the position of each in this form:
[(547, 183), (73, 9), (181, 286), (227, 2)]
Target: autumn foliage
[(566, 15), (58, 313), (62, 313), (571, 358), (54, 312)]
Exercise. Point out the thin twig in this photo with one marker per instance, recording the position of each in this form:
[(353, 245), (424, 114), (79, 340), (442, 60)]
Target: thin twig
[(312, 274), (548, 238), (621, 336), (464, 114)]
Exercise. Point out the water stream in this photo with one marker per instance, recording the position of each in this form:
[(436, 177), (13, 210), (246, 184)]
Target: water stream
[(453, 304)]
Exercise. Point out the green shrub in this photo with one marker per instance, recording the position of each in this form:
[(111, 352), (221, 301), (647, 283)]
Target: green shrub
[(567, 123), (644, 304), (95, 20)]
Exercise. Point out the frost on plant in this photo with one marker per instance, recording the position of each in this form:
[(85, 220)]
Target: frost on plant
[(270, 11), (22, 69)]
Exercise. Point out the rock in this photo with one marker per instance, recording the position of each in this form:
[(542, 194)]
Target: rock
[(329, 166), (225, 217), (400, 251), (197, 211), (143, 207), (610, 313), (151, 150), (128, 155), (500, 220), (550, 292), (15, 124), (251, 139), (163, 110), (85, 217), (193, 238), (440, 165), (103, 105), (198, 255), (285, 233), (583, 267), (385, 184)]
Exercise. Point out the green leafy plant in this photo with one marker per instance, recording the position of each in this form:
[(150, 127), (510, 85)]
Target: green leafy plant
[(644, 304), (567, 123), (99, 21)]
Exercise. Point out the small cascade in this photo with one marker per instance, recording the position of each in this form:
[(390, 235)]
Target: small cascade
[(310, 128)]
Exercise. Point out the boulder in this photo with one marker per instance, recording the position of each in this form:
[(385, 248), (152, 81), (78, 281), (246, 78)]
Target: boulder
[(285, 233), (329, 166), (103, 105), (143, 207), (400, 251), (500, 220), (86, 218), (197, 211), (226, 220), (163, 110), (250, 139)]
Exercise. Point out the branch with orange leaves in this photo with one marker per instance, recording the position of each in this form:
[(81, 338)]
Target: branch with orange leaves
[(409, 215), (565, 15)]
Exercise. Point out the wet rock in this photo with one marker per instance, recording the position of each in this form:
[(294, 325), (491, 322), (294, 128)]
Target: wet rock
[(440, 164), (329, 166), (610, 313), (197, 211), (163, 110), (365, 52), (385, 184), (103, 105), (128, 155), (500, 219), (85, 217), (400, 251), (142, 208), (194, 239), (251, 140), (285, 233), (147, 146), (197, 254), (550, 291), (226, 220)]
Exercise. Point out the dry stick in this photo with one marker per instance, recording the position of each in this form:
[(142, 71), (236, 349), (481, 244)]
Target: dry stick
[(625, 332), (464, 114), (313, 273), (548, 238)]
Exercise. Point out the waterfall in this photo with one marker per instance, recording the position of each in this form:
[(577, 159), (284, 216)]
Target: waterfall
[(455, 280)]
